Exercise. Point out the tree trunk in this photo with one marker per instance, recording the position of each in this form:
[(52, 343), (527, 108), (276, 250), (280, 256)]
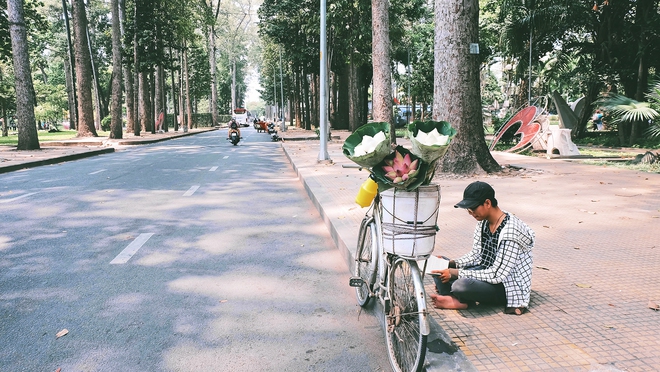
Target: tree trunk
[(186, 78), (28, 138), (380, 55), (100, 108), (354, 106), (116, 125), (214, 78), (182, 115), (158, 97), (83, 65), (175, 112), (457, 97), (144, 93), (342, 108), (5, 126), (70, 72)]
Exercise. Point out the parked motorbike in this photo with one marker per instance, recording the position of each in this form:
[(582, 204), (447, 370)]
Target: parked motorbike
[(234, 137)]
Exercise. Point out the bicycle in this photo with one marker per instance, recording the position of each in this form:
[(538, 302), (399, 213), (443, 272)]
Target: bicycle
[(396, 281)]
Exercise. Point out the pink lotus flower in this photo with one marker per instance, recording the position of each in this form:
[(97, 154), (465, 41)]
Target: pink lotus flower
[(401, 168)]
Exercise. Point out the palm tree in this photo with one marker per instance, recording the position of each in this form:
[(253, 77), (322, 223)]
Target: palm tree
[(629, 114)]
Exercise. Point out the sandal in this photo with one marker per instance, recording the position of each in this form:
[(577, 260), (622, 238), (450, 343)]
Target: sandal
[(515, 310)]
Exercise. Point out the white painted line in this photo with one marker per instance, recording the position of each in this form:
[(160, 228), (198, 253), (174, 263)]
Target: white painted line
[(98, 171), (191, 190), (17, 198), (226, 157), (132, 248), (213, 169)]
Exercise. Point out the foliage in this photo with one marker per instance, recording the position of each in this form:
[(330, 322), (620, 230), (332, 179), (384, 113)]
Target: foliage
[(105, 123)]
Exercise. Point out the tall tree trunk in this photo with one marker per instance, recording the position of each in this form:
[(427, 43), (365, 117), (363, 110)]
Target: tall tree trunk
[(380, 55), (342, 111), (70, 72), (28, 138), (182, 96), (135, 77), (100, 108), (354, 104), (116, 125), (186, 77), (175, 112), (83, 65), (214, 78), (5, 126), (144, 101), (457, 97)]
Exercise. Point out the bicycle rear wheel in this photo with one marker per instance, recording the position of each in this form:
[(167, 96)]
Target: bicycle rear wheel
[(365, 257), (406, 343)]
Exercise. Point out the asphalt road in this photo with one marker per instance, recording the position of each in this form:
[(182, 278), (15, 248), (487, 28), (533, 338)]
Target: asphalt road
[(186, 255)]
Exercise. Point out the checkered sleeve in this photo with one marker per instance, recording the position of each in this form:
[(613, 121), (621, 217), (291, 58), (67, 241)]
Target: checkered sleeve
[(505, 261)]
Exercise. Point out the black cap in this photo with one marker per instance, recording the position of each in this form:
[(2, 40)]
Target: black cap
[(476, 194)]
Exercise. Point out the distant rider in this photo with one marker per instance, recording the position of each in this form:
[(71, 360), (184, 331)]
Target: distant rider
[(233, 127)]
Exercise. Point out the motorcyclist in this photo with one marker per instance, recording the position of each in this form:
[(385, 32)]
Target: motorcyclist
[(233, 127)]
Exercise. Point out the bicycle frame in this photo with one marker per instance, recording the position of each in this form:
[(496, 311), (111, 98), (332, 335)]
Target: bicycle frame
[(383, 264)]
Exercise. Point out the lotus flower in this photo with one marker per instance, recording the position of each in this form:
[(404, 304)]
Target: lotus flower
[(432, 138), (400, 168), (368, 144)]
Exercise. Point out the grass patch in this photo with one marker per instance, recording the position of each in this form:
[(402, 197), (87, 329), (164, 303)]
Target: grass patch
[(45, 136), (649, 168)]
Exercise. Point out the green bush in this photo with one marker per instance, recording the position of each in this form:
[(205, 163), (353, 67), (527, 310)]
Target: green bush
[(105, 123)]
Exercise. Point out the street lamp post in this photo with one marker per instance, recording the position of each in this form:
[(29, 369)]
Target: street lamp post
[(323, 132)]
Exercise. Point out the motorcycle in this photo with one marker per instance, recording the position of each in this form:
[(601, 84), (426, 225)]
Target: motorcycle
[(234, 137), (271, 128), (273, 132)]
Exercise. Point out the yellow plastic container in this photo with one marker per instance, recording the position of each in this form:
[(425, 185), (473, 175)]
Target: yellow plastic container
[(367, 193)]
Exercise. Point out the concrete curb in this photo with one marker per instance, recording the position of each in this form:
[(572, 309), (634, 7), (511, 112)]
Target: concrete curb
[(55, 160), (442, 354)]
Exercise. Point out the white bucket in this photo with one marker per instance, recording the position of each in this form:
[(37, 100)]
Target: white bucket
[(409, 221)]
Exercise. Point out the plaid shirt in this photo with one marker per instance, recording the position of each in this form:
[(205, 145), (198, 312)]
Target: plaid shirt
[(512, 264)]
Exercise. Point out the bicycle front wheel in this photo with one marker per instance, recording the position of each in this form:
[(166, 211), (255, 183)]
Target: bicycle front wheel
[(406, 343), (365, 260)]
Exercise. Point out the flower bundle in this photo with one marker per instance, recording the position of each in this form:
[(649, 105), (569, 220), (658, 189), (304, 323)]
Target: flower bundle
[(370, 147)]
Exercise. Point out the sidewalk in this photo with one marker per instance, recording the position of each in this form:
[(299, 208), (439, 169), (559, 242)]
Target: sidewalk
[(596, 260)]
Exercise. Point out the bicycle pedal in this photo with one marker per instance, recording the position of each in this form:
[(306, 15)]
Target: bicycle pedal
[(355, 281)]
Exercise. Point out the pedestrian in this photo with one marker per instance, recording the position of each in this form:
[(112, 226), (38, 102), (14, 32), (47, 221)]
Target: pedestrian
[(498, 269), (597, 119)]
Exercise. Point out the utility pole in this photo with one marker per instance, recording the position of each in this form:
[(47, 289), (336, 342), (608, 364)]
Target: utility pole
[(323, 132), (281, 91)]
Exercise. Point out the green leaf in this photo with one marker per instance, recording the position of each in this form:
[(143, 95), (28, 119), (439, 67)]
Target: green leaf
[(430, 154), (375, 157)]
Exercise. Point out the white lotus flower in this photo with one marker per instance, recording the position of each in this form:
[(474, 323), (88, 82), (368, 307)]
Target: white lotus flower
[(368, 144), (432, 138)]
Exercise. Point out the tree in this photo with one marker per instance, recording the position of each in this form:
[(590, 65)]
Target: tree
[(27, 128), (83, 65), (116, 125), (382, 79), (457, 97)]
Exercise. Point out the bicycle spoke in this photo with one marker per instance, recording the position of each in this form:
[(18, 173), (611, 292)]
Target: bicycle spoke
[(406, 344)]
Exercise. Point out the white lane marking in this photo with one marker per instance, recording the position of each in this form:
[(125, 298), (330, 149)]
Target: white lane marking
[(191, 190), (226, 157), (213, 169), (98, 171), (131, 249), (17, 198)]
